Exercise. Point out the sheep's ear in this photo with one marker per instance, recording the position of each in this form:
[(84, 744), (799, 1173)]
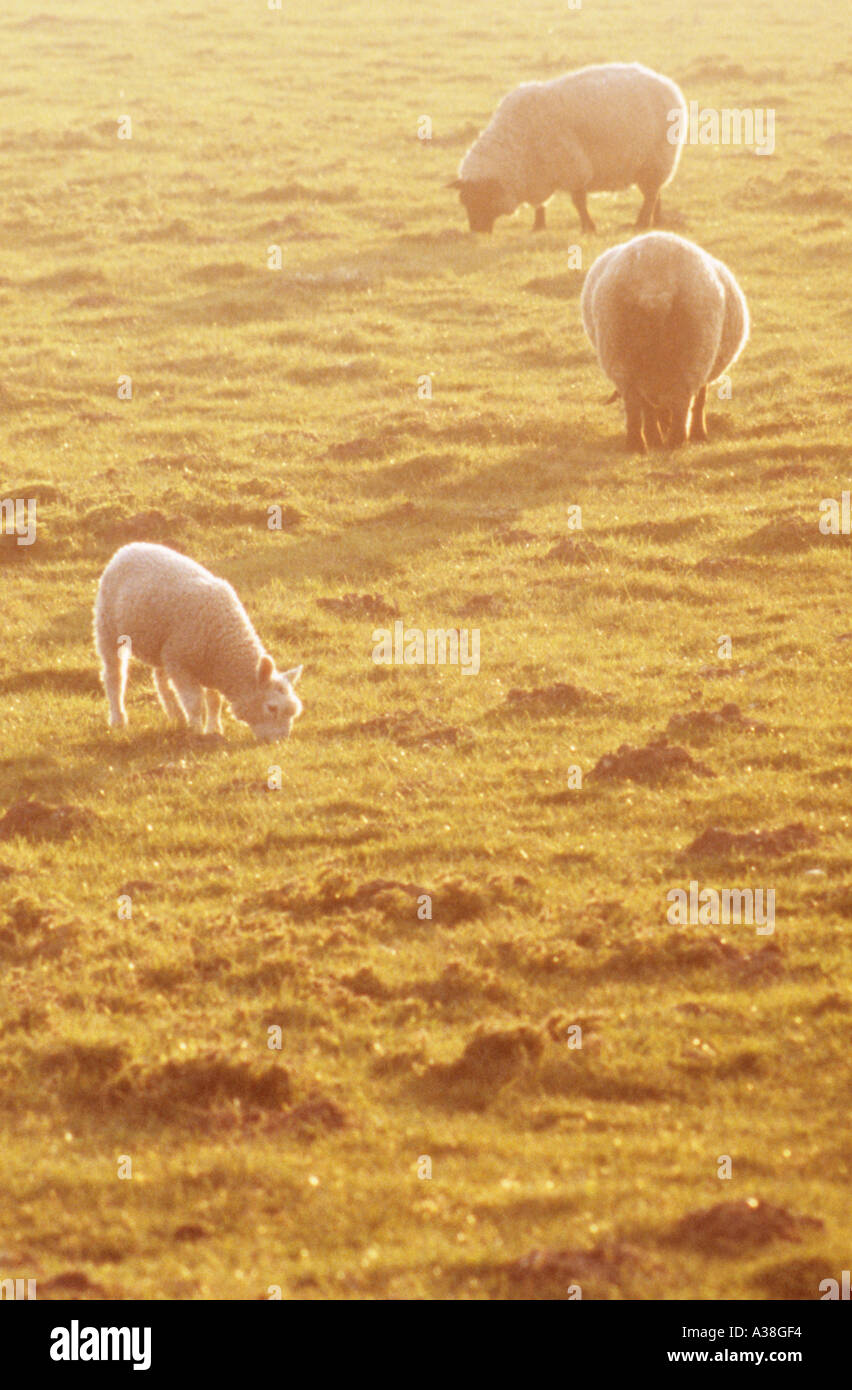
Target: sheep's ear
[(294, 675), (454, 183), (265, 667)]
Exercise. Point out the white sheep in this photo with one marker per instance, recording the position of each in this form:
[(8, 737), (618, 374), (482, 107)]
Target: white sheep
[(666, 319), (158, 605), (602, 127)]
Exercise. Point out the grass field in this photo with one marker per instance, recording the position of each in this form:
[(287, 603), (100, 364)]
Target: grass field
[(405, 1039)]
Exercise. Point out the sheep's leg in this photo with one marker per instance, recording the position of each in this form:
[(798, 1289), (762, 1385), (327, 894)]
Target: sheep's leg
[(658, 212), (651, 425), (538, 224), (679, 428), (114, 677), (648, 210), (578, 198), (190, 693), (698, 426), (166, 695), (633, 412), (214, 711)]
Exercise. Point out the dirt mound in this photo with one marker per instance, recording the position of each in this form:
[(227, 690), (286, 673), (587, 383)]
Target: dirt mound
[(30, 933), (701, 722), (729, 1227), (452, 899), (576, 550), (72, 1284), (551, 1275), (313, 1114), (150, 525), (196, 1085), (654, 763), (717, 843), (359, 606), (788, 535), (483, 606), (456, 981), (797, 1280), (37, 820), (489, 1061), (558, 698)]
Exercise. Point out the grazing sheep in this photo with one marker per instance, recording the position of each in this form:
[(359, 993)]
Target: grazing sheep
[(666, 319), (603, 127), (192, 628)]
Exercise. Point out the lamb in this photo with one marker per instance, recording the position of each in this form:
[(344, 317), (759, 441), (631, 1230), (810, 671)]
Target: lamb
[(158, 605), (602, 127), (666, 319)]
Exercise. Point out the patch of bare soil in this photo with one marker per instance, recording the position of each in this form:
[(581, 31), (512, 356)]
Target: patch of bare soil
[(729, 1227), (37, 820), (654, 763), (717, 843)]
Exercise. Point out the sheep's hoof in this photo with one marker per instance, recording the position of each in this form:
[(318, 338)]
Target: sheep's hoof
[(636, 445)]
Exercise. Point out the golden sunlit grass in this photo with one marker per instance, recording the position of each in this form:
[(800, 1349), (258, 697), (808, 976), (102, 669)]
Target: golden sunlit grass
[(404, 1038)]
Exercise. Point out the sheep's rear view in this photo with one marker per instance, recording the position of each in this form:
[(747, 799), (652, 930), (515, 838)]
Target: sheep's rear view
[(666, 320)]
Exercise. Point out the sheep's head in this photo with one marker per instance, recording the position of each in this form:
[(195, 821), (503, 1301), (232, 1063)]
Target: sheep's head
[(484, 201), (271, 708)]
